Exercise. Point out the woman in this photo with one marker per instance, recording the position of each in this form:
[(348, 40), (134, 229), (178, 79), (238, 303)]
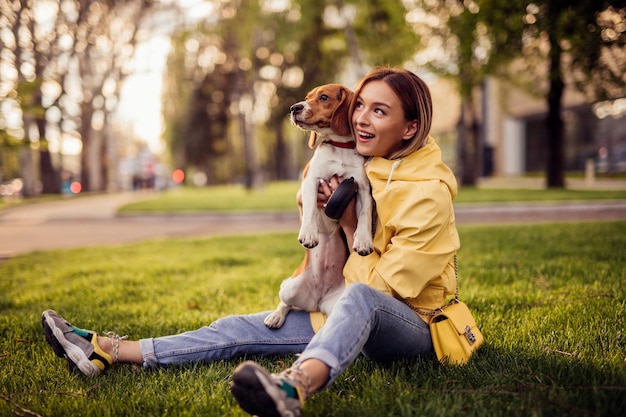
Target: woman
[(411, 269)]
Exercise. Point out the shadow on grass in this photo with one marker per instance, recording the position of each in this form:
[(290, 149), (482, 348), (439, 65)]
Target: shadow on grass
[(494, 383)]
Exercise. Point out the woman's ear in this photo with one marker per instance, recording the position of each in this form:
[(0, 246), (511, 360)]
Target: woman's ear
[(411, 130)]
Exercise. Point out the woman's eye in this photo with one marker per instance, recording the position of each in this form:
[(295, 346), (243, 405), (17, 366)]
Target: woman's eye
[(379, 111)]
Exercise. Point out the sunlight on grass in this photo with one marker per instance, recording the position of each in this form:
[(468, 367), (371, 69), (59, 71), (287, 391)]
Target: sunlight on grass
[(281, 196), (550, 300)]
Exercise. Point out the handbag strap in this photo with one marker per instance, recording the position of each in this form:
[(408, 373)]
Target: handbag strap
[(455, 300)]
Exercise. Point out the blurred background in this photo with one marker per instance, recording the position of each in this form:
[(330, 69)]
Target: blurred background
[(113, 95)]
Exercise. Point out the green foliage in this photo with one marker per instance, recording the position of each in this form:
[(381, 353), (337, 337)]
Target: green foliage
[(9, 155), (380, 24), (581, 43), (550, 300), (9, 141), (30, 97), (485, 36), (592, 36), (264, 57)]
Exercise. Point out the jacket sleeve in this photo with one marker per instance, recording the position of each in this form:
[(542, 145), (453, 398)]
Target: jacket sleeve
[(413, 245)]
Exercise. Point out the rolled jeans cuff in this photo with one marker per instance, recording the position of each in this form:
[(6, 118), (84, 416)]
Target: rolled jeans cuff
[(325, 356), (146, 346)]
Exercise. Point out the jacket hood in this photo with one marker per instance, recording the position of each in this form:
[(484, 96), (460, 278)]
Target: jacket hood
[(424, 164)]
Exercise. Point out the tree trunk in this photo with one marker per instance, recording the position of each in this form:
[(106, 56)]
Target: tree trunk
[(103, 160), (27, 171), (554, 160), (86, 139), (50, 180), (111, 171), (96, 181), (251, 167), (469, 146), (92, 171), (281, 157)]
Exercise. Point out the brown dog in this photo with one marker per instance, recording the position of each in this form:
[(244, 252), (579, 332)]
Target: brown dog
[(318, 282)]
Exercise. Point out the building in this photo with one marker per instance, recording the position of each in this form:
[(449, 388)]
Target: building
[(514, 129)]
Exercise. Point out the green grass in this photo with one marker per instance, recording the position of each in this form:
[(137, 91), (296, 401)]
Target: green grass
[(505, 195), (275, 196), (550, 300), (280, 196)]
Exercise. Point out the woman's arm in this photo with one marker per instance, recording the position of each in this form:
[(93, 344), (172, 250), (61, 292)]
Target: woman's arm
[(418, 237)]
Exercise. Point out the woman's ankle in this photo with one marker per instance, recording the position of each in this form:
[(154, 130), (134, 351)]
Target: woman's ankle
[(110, 344), (105, 345), (315, 373)]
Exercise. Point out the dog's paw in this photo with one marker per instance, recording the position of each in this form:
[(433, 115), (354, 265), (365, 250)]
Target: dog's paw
[(274, 320), (309, 244), (363, 246), (308, 240)]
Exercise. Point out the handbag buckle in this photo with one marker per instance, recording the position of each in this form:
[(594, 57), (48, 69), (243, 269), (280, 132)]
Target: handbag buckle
[(471, 338)]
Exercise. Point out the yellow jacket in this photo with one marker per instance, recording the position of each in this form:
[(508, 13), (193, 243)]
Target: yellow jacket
[(415, 237)]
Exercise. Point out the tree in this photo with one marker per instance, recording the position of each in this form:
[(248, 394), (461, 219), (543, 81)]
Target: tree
[(105, 38), (581, 44), (339, 40), (55, 46), (276, 55), (462, 45), (586, 39), (17, 17)]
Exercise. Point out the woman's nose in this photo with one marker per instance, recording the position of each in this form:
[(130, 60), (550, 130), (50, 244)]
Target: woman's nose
[(360, 118)]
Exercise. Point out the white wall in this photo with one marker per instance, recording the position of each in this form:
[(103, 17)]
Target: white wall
[(513, 147)]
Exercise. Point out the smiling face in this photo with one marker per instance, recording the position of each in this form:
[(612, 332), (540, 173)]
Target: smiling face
[(380, 126)]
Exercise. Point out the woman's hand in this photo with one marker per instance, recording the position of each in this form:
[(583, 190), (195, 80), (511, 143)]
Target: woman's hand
[(324, 191)]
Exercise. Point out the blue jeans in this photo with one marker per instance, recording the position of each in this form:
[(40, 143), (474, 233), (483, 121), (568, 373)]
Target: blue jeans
[(364, 321)]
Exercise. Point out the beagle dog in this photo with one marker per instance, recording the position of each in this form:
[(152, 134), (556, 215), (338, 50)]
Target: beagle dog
[(318, 282)]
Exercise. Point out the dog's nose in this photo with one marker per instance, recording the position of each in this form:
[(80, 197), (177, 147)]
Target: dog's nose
[(296, 108)]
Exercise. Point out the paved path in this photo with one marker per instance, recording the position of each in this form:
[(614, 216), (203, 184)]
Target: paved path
[(92, 220)]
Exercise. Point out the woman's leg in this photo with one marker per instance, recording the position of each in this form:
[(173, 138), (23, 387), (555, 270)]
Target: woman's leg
[(229, 337), (225, 338), (366, 321)]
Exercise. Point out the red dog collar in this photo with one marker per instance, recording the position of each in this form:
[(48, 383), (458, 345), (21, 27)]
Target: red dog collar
[(345, 145)]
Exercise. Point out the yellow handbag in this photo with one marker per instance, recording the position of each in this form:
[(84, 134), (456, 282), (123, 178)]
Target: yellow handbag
[(453, 330), (455, 334)]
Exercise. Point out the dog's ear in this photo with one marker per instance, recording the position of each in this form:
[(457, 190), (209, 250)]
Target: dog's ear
[(340, 120), (312, 140)]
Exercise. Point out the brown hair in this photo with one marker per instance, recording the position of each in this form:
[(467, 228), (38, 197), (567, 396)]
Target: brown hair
[(415, 98)]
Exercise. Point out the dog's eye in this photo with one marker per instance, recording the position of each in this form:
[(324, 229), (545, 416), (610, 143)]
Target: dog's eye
[(323, 97)]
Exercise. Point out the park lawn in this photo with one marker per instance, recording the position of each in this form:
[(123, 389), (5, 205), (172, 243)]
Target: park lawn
[(281, 196), (550, 300)]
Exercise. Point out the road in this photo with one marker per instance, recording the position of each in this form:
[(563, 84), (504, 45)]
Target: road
[(92, 220)]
